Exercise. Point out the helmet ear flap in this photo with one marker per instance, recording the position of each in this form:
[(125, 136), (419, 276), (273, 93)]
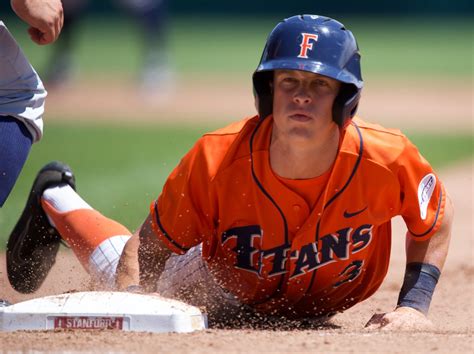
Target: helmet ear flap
[(263, 92), (265, 105), (345, 105)]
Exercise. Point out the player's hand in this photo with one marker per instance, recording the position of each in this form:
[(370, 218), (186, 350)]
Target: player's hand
[(45, 18), (401, 319)]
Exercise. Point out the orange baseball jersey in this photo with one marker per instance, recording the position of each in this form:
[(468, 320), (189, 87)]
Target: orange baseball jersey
[(266, 245)]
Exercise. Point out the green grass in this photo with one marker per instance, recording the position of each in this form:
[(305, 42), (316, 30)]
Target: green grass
[(442, 150), (390, 46), (121, 169), (417, 46)]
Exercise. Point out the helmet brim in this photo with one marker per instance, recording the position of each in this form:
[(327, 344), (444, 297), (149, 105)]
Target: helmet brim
[(343, 76)]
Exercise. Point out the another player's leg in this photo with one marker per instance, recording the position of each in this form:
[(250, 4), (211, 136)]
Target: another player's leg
[(153, 20), (61, 63), (15, 145), (22, 97)]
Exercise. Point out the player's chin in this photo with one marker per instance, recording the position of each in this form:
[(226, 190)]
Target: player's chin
[(301, 133)]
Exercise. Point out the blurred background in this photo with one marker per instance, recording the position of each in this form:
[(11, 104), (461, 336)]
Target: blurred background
[(133, 83)]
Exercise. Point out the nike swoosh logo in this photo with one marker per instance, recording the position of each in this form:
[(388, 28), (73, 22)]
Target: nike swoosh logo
[(350, 215)]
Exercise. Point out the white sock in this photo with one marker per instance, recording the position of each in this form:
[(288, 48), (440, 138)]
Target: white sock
[(64, 199)]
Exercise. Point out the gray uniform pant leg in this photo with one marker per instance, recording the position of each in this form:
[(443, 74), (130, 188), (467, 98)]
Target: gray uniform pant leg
[(187, 278), (22, 94)]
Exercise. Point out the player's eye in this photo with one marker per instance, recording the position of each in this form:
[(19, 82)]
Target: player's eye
[(289, 80), (322, 83)]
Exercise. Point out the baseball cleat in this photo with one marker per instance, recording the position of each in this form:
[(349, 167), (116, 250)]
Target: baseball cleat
[(34, 243)]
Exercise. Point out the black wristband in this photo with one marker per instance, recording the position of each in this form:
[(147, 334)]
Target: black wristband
[(418, 286)]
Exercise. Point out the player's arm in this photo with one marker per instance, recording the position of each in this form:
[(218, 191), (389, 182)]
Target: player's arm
[(152, 256), (425, 261), (45, 18), (143, 259), (182, 202)]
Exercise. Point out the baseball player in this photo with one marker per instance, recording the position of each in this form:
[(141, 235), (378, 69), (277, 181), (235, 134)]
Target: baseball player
[(286, 213), (22, 93)]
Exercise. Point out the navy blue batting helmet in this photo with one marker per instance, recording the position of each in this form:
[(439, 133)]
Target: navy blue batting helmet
[(315, 44)]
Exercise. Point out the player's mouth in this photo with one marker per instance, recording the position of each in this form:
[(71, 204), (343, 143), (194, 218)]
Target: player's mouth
[(300, 117)]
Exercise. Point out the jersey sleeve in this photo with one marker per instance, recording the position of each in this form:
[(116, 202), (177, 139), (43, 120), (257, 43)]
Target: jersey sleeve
[(422, 193), (182, 215)]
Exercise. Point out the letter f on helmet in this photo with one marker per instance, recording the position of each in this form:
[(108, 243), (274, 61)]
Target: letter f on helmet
[(305, 45)]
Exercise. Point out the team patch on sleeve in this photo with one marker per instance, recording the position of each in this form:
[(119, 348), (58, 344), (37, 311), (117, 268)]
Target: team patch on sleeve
[(425, 191)]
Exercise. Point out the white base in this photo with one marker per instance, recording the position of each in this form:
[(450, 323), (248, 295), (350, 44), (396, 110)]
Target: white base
[(103, 310)]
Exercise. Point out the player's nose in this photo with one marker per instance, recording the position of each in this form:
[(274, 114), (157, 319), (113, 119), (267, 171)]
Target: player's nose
[(302, 96)]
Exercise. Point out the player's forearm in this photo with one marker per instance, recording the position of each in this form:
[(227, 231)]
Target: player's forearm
[(425, 260), (151, 267), (152, 256), (435, 250)]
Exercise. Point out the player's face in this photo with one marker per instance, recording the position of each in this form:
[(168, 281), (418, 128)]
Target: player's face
[(302, 102)]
